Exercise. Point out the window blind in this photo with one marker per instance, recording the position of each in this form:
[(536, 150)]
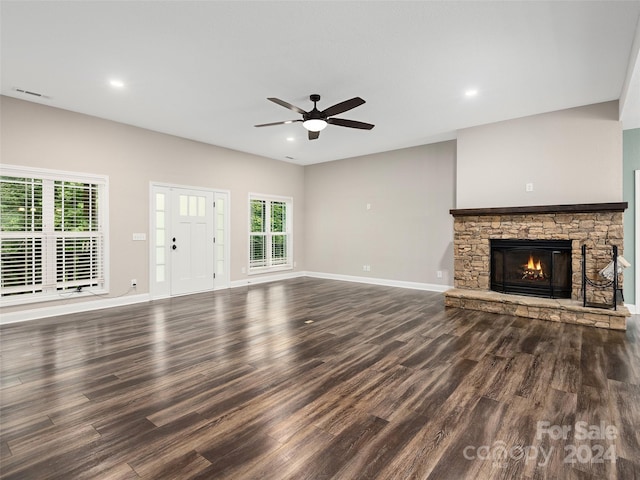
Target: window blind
[(270, 233), (52, 234), (258, 235)]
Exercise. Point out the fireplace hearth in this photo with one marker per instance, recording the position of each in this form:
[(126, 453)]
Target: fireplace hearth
[(539, 268)]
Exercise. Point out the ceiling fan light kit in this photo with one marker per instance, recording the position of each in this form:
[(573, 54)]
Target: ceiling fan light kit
[(314, 124), (315, 120)]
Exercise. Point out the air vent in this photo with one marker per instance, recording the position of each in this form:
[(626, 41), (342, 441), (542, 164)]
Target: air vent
[(24, 91)]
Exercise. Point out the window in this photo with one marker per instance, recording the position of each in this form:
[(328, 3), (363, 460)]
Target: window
[(270, 242), (52, 233)]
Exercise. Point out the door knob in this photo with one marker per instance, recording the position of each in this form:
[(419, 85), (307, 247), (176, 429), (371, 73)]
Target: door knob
[(174, 247)]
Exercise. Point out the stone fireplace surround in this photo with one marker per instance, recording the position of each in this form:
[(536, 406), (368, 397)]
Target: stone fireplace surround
[(599, 226)]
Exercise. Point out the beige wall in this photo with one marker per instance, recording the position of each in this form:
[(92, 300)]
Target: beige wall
[(407, 233), (39, 136), (570, 156)]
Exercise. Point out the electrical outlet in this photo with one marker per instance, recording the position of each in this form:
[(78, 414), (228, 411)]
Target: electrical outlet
[(529, 187), (134, 282), (439, 274), (243, 270)]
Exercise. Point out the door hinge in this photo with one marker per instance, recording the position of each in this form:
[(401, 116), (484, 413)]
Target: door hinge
[(214, 239), (214, 204), (214, 275)]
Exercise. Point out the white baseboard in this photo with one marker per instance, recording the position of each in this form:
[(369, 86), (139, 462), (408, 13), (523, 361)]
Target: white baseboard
[(632, 308), (55, 310), (254, 280), (431, 287)]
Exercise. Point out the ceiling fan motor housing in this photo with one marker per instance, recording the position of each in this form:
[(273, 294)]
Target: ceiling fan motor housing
[(314, 114)]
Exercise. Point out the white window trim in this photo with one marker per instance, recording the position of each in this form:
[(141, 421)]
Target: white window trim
[(103, 211), (276, 268)]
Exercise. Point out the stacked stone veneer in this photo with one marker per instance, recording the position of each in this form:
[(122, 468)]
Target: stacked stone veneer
[(598, 226)]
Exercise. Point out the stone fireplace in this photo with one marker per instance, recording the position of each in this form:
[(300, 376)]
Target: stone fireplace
[(567, 227)]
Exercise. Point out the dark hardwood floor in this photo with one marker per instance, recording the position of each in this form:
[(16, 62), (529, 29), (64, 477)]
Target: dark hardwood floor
[(317, 379)]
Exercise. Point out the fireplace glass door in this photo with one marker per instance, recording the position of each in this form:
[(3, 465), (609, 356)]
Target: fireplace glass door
[(540, 268)]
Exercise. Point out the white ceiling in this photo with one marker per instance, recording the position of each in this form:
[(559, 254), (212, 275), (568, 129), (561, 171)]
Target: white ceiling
[(203, 70)]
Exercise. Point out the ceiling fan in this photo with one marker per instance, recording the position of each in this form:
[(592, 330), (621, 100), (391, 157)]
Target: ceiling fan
[(316, 120)]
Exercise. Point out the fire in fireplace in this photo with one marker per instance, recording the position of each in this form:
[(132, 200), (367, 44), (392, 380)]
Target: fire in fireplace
[(540, 268), (533, 270)]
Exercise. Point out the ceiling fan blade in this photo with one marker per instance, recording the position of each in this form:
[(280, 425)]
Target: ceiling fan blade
[(342, 122), (287, 105), (277, 123), (313, 135), (343, 106)]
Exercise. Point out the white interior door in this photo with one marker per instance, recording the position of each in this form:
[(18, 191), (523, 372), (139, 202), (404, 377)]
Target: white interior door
[(192, 241)]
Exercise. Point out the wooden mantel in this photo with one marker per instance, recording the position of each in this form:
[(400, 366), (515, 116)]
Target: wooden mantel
[(573, 208)]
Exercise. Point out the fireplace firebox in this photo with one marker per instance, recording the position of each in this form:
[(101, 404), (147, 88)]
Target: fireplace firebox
[(540, 268)]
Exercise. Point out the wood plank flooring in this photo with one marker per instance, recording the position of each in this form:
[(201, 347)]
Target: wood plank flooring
[(316, 379)]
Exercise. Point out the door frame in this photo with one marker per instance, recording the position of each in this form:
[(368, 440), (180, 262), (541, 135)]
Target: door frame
[(637, 245), (221, 281)]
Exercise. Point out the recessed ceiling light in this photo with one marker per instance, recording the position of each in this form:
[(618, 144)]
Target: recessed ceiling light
[(115, 83), (472, 92), (290, 139)]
